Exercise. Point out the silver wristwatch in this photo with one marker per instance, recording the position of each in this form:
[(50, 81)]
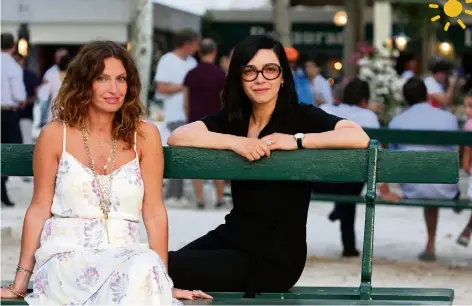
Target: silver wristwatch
[(299, 138)]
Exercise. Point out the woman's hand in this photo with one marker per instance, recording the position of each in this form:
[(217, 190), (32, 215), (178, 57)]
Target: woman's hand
[(188, 295), (250, 148), (279, 141)]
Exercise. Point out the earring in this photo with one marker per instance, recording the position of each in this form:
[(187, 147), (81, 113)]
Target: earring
[(282, 85)]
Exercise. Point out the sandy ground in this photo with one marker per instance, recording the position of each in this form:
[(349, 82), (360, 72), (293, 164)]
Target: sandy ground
[(399, 237)]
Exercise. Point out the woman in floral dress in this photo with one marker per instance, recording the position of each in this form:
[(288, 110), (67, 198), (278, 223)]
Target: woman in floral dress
[(97, 168)]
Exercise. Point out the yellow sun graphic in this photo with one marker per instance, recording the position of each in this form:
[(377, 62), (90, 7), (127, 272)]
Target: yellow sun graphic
[(452, 8)]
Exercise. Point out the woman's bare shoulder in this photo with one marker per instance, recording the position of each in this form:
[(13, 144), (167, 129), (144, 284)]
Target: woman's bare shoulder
[(53, 129), (51, 137), (148, 132)]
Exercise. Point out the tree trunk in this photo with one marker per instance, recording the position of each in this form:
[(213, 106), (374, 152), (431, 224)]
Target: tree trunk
[(353, 33), (282, 22), (141, 43)]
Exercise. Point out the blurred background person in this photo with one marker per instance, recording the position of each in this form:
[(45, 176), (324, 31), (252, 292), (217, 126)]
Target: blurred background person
[(202, 97), (320, 88), (52, 73), (406, 65), (302, 84), (46, 94), (13, 98), (170, 74)]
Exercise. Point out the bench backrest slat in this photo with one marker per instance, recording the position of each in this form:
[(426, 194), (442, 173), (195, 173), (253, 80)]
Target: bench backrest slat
[(300, 165), (398, 136)]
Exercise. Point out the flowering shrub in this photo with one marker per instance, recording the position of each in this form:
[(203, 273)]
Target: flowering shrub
[(376, 67)]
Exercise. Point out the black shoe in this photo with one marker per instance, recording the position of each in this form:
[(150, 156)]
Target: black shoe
[(200, 205), (351, 253), (8, 203), (220, 204)]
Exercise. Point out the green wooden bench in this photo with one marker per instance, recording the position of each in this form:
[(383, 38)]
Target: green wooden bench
[(395, 136), (370, 166), (384, 136)]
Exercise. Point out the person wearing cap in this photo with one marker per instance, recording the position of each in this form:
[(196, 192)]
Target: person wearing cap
[(438, 95), (302, 84)]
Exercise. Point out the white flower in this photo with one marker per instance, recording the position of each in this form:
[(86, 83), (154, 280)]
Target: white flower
[(363, 61)]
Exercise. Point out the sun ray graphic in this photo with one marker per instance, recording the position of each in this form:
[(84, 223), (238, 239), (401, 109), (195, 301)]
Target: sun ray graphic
[(452, 9)]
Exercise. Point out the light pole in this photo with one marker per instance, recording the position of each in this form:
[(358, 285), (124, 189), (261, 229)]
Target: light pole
[(141, 43)]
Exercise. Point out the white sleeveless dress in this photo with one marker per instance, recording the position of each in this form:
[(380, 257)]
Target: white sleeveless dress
[(75, 264)]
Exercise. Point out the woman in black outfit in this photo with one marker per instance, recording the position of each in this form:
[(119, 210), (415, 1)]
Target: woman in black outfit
[(262, 245)]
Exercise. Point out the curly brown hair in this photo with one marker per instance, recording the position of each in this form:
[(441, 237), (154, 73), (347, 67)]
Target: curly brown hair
[(75, 94)]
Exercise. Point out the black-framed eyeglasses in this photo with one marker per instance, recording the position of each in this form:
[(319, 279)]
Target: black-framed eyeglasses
[(269, 72)]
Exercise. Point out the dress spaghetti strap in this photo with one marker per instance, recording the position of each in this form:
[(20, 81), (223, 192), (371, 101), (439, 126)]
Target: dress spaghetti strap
[(64, 137)]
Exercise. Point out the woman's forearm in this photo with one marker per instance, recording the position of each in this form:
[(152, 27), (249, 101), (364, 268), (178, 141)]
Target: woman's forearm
[(343, 138), (196, 138), (32, 228), (158, 233)]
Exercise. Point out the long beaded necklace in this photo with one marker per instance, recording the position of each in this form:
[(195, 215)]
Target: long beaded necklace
[(105, 195)]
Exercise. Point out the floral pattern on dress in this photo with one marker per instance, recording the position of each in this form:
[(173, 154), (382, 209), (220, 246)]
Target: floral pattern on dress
[(88, 279), (46, 233), (62, 169), (40, 282), (93, 232), (132, 231), (63, 257), (125, 253), (133, 175), (118, 284)]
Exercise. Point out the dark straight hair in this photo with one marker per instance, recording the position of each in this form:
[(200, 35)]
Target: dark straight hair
[(235, 100)]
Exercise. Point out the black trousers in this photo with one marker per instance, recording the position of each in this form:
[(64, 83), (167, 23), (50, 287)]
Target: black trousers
[(10, 133), (344, 212), (211, 263)]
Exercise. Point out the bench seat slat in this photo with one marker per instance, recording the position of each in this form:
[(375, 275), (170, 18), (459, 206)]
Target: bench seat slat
[(329, 294), (223, 301), (300, 165)]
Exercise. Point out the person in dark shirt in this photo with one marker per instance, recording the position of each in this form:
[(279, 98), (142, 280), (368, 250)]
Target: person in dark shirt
[(262, 245), (32, 81), (202, 96)]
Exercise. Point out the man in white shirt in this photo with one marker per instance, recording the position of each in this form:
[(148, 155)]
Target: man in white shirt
[(170, 74), (13, 97), (320, 88), (52, 74), (436, 83), (421, 115), (354, 107)]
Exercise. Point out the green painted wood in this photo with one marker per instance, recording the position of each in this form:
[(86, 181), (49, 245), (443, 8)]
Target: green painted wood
[(300, 165), (327, 295), (397, 136), (240, 301), (463, 203), (365, 288), (333, 293)]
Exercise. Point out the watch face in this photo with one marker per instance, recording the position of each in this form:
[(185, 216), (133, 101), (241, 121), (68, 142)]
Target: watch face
[(299, 135)]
